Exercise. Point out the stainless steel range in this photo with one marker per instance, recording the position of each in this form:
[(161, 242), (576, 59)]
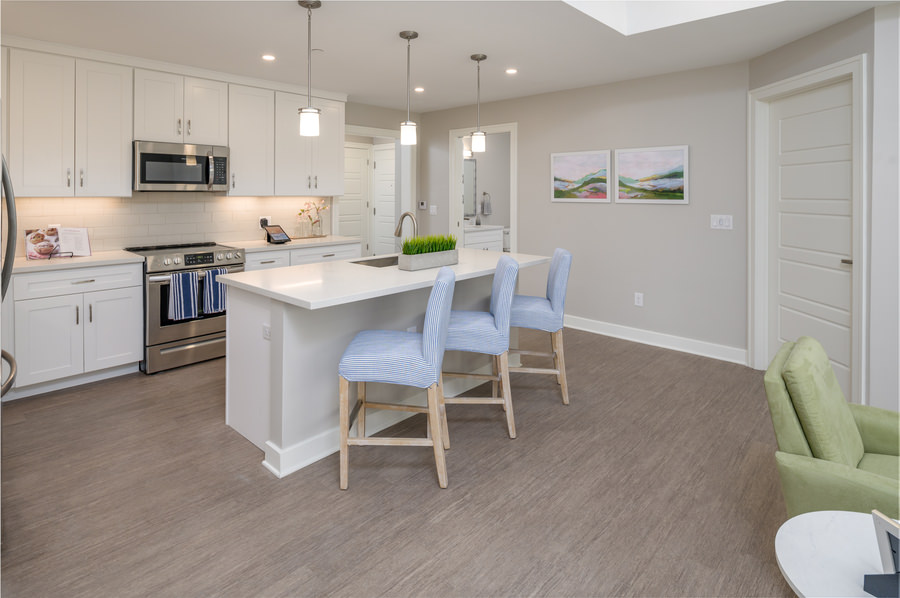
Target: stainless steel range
[(170, 343)]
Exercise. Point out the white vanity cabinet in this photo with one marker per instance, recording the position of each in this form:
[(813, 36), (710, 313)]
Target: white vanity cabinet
[(489, 238), (251, 139), (78, 320), (177, 109), (310, 166), (70, 126)]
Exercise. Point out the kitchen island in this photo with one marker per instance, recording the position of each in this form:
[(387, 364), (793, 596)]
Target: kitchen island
[(288, 327)]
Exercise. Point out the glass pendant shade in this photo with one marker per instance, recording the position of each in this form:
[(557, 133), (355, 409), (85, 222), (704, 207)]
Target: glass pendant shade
[(478, 141), (309, 122), (407, 133)]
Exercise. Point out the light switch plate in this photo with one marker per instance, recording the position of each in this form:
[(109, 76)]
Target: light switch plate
[(721, 221), (433, 210)]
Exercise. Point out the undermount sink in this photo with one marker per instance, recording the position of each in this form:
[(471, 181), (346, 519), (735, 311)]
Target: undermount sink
[(379, 262)]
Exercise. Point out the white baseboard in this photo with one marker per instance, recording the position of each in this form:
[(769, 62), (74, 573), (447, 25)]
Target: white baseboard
[(659, 339), (41, 388)]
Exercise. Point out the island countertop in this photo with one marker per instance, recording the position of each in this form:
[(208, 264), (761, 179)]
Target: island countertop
[(326, 284)]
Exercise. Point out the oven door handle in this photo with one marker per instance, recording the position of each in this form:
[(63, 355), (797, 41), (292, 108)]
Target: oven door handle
[(168, 277)]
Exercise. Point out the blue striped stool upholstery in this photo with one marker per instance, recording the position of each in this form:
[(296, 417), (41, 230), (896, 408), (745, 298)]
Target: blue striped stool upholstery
[(488, 332), (406, 358), (547, 314)]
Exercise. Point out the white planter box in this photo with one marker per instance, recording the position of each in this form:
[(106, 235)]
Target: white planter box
[(423, 261)]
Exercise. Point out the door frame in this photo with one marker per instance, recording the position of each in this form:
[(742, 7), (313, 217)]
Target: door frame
[(758, 206), (406, 160), (456, 161)]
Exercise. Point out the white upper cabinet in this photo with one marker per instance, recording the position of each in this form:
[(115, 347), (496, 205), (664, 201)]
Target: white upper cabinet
[(70, 130), (312, 166), (179, 109), (251, 138), (103, 104), (42, 123)]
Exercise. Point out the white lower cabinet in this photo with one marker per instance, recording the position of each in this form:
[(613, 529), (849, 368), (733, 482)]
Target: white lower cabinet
[(489, 240), (263, 260), (68, 333), (278, 258)]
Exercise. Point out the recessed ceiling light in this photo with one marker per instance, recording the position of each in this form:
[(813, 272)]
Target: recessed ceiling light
[(511, 71), (268, 57), (419, 89)]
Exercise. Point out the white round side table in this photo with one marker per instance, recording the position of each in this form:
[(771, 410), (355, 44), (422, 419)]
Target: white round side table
[(827, 553)]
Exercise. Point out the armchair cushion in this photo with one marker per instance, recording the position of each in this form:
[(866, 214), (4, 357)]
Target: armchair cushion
[(886, 465), (817, 397), (879, 428)]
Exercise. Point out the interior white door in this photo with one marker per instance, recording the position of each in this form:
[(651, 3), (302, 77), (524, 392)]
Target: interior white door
[(384, 218), (353, 205), (811, 223)]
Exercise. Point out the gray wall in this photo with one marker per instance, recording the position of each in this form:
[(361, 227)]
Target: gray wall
[(375, 116), (693, 278), (493, 176)]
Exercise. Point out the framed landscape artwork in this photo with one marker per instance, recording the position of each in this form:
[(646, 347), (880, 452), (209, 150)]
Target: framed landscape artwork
[(579, 176), (652, 175)]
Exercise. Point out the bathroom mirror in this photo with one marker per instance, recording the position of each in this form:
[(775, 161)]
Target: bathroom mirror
[(470, 202)]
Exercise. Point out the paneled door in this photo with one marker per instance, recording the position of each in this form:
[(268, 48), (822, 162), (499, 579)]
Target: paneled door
[(353, 205), (811, 223), (384, 219)]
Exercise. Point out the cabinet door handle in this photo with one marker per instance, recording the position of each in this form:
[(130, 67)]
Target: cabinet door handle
[(309, 182), (68, 177), (189, 127), (846, 261), (90, 312), (84, 281), (268, 262), (317, 181), (179, 126), (232, 180), (82, 178), (328, 255), (76, 315)]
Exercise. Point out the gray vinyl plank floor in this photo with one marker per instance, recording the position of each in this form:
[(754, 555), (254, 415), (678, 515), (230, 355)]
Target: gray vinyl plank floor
[(657, 480)]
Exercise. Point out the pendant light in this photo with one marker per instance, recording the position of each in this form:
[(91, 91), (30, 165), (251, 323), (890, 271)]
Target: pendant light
[(478, 137), (408, 127), (309, 116)]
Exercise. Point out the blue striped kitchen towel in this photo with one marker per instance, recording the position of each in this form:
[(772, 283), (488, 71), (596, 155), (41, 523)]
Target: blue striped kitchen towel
[(213, 291), (183, 296)]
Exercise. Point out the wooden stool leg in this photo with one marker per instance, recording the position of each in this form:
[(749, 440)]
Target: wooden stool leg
[(361, 417), (507, 393), (445, 431), (561, 364), (344, 385), (434, 417), (494, 371)]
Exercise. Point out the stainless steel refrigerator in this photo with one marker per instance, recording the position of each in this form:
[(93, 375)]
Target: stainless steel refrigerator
[(9, 257)]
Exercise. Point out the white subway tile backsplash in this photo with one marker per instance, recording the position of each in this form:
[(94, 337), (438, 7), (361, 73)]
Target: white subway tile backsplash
[(161, 218)]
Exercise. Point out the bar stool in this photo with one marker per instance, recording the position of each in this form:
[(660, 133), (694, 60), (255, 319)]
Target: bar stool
[(406, 358), (488, 332), (539, 313)]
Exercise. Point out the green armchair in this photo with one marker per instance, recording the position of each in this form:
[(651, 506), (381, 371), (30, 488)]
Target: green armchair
[(832, 455)]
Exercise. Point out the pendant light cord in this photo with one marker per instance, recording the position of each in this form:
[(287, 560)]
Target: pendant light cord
[(407, 79), (478, 100), (309, 56)]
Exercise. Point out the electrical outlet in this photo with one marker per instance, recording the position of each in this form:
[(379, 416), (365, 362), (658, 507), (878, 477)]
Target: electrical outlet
[(639, 299), (264, 221), (267, 332), (721, 221), (423, 205)]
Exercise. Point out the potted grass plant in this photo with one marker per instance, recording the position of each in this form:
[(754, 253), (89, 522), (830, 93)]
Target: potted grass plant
[(432, 251)]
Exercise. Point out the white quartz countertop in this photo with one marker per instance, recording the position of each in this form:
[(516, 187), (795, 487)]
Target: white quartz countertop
[(262, 245), (315, 286), (99, 258)]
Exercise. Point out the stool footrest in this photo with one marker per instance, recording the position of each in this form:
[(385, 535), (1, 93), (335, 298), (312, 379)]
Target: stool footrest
[(492, 377), (533, 353), (389, 441), (395, 407), (535, 371), (474, 401)]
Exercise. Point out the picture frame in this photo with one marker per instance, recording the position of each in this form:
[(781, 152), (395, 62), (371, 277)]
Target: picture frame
[(580, 177), (887, 532), (652, 175)]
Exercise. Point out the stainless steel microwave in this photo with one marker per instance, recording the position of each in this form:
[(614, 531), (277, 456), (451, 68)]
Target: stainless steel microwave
[(179, 167)]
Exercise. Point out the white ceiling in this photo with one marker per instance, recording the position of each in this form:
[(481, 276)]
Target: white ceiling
[(554, 45)]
